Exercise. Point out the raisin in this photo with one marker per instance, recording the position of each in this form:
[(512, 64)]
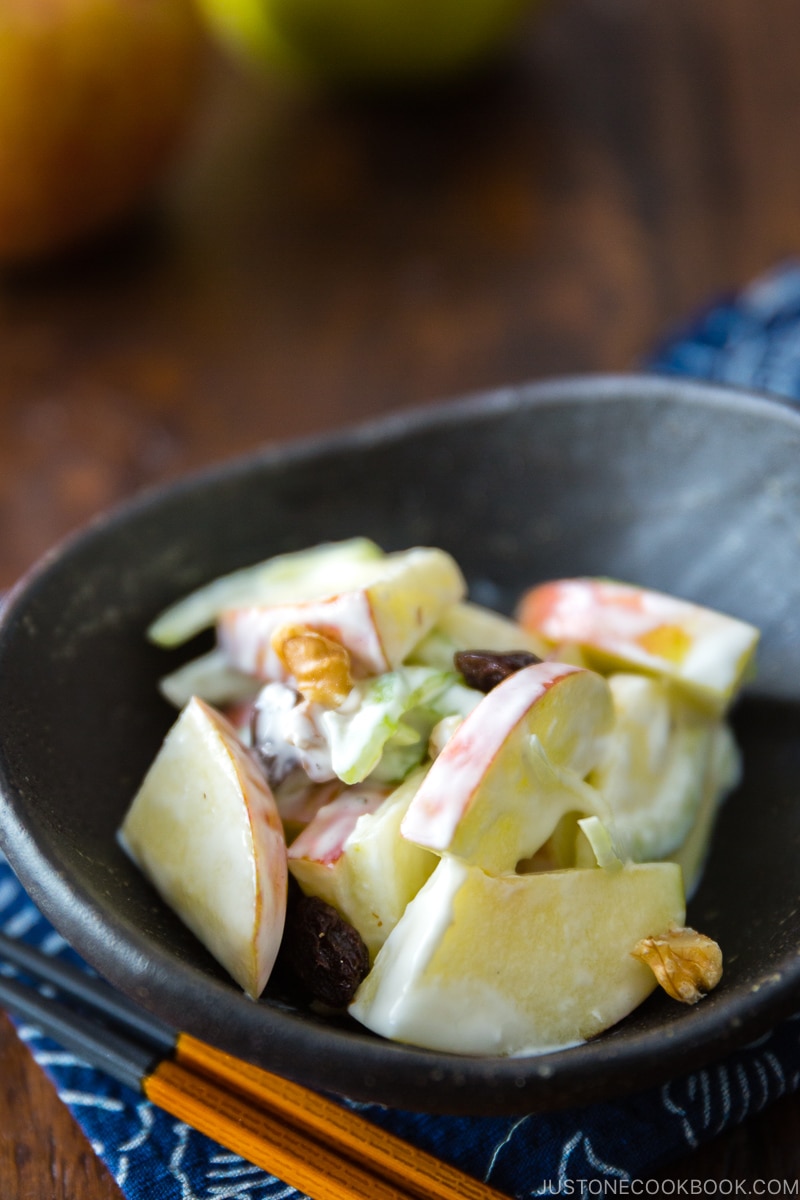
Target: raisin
[(484, 669), (325, 953)]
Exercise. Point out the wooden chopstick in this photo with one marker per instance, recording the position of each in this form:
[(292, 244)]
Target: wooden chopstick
[(264, 1139), (308, 1141), (421, 1174)]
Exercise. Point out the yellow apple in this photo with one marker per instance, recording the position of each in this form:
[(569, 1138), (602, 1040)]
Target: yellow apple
[(367, 40), (93, 97)]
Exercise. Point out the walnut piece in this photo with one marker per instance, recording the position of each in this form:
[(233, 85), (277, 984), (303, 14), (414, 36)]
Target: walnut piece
[(320, 666), (686, 963)]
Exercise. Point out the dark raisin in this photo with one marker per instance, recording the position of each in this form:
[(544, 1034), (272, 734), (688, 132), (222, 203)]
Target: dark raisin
[(484, 669), (324, 951)]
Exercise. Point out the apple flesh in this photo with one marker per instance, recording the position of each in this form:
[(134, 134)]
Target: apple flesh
[(211, 678), (657, 766), (378, 622), (284, 578), (94, 95), (622, 627), (514, 768), (204, 829), (520, 964), (299, 800), (352, 856), (468, 626), (723, 771)]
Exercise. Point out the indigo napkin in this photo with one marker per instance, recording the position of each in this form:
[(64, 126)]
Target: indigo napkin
[(153, 1156), (750, 339)]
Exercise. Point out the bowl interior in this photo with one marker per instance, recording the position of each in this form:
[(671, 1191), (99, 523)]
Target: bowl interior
[(690, 489)]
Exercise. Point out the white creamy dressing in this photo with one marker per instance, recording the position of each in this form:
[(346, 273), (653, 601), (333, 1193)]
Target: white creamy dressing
[(288, 733)]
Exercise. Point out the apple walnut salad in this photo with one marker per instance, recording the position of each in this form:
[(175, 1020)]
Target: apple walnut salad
[(476, 834)]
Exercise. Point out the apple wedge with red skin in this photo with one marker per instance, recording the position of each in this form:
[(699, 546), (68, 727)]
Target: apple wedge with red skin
[(205, 830), (379, 621), (514, 767), (619, 626), (352, 856), (299, 800)]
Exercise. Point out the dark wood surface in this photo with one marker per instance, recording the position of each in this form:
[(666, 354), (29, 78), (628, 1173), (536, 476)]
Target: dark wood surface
[(311, 262)]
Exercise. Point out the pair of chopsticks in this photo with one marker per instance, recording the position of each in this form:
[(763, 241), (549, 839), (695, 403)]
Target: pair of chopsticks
[(307, 1141)]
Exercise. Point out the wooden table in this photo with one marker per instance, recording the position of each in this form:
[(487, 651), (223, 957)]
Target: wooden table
[(315, 261)]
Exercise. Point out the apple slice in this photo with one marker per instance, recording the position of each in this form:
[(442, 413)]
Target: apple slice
[(351, 855), (654, 772), (211, 678), (205, 830), (520, 964), (723, 771), (299, 800), (286, 578), (623, 627), (468, 626), (379, 621), (515, 767)]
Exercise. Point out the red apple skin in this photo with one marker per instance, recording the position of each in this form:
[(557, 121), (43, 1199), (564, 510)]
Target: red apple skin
[(323, 839), (94, 96), (525, 702)]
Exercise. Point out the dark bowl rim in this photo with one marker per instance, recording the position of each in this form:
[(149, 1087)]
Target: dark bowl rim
[(340, 1060)]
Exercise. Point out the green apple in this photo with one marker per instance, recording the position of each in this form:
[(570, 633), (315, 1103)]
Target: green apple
[(514, 768), (619, 626), (518, 964), (94, 95), (367, 40), (205, 830)]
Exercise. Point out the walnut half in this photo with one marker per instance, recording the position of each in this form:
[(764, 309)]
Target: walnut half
[(686, 963), (320, 666)]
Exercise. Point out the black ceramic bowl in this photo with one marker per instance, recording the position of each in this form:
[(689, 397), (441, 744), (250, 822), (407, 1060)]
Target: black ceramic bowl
[(686, 488)]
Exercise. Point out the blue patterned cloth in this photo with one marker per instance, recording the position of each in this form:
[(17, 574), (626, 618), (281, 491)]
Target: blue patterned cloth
[(748, 339), (752, 339)]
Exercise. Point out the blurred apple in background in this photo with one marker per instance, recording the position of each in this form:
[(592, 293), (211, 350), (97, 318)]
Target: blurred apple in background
[(367, 41), (94, 95)]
